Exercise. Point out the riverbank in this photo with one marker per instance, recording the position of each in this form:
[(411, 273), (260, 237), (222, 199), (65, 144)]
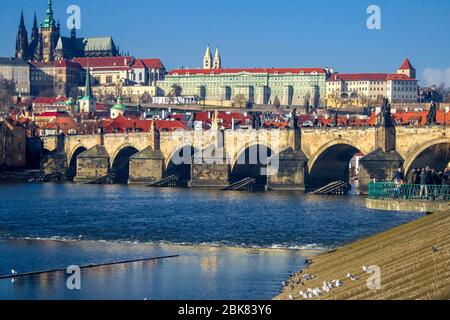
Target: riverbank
[(414, 260)]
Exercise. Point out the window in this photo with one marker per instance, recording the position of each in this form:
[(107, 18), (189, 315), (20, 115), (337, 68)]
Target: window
[(109, 79)]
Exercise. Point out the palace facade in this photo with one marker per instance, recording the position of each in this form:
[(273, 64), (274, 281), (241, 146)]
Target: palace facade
[(366, 88), (263, 86)]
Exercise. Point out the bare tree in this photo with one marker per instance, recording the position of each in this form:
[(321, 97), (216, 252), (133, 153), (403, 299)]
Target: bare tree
[(276, 102), (336, 99), (240, 101), (443, 93), (7, 92)]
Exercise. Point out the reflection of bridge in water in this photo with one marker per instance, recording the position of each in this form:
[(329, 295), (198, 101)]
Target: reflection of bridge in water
[(295, 159)]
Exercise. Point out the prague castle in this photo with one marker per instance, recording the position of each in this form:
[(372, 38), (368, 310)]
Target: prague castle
[(46, 43)]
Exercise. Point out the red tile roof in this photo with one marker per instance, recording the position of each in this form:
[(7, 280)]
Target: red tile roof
[(148, 63), (122, 124), (51, 114), (57, 64), (49, 101), (406, 65), (64, 124), (247, 70), (368, 77), (105, 62)]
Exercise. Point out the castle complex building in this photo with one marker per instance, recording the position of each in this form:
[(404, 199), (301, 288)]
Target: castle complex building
[(400, 87), (18, 71), (264, 86), (47, 45)]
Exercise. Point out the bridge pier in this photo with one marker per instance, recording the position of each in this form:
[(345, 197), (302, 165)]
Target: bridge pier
[(378, 165), (92, 164), (210, 169), (290, 175), (146, 167)]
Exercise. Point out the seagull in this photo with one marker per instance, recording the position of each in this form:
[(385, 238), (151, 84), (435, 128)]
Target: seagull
[(349, 275), (291, 297), (339, 283), (13, 271), (365, 269), (353, 278), (283, 283)]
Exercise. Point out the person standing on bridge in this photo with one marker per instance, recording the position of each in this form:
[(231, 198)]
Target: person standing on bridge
[(412, 177), (423, 184)]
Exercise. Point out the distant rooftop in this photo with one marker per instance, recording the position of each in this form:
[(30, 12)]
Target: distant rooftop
[(7, 61)]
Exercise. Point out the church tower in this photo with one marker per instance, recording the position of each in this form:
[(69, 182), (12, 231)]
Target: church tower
[(217, 60), (22, 40), (407, 69), (87, 102), (49, 35), (207, 59)]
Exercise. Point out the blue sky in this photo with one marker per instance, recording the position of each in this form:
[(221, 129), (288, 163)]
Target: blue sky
[(261, 33)]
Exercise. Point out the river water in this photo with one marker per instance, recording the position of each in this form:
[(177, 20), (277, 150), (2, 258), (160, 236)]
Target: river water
[(231, 245)]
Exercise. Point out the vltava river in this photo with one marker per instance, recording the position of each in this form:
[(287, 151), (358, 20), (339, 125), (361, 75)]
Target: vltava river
[(232, 245)]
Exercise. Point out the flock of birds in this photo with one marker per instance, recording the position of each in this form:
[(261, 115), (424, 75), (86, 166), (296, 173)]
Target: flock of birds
[(327, 286)]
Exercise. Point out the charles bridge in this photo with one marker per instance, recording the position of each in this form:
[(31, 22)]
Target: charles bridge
[(280, 159)]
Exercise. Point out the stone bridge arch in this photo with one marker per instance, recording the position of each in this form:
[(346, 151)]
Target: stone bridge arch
[(252, 160), (331, 162), (341, 141), (120, 162), (428, 147)]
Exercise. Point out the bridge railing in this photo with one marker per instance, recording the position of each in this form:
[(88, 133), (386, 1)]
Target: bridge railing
[(391, 190)]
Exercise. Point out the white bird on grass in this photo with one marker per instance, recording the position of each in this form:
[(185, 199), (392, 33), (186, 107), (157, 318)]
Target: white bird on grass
[(365, 269), (291, 297), (338, 283)]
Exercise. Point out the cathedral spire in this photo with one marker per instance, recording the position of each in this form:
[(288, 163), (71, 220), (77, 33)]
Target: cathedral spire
[(22, 40), (73, 33), (22, 21)]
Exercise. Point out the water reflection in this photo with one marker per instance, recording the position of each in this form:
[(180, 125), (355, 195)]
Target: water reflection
[(199, 273)]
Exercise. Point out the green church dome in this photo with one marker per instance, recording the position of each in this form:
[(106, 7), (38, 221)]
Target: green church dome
[(70, 102), (119, 105)]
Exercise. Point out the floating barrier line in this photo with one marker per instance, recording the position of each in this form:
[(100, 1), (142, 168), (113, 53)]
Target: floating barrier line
[(89, 266)]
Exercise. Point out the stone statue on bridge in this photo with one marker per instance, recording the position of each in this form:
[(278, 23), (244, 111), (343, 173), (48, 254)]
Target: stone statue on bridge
[(431, 117), (294, 122), (385, 114), (336, 119)]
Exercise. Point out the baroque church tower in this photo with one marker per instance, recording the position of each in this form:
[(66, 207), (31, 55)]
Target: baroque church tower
[(217, 60), (207, 59), (22, 41)]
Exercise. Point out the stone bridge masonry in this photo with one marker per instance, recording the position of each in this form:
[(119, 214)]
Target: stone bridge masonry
[(297, 159)]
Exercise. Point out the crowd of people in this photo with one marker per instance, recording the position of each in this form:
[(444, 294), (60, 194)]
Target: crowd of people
[(423, 179), (428, 176)]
